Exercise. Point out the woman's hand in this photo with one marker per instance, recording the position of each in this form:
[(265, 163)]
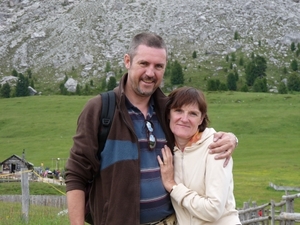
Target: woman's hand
[(223, 145), (166, 168)]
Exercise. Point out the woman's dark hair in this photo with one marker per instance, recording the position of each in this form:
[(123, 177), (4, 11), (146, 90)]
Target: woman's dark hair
[(187, 96)]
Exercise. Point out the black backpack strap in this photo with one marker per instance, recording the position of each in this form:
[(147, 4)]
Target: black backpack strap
[(107, 114), (106, 117)]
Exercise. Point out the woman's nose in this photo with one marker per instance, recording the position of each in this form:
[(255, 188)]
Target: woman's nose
[(184, 117)]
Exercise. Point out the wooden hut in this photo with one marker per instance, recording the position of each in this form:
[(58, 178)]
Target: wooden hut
[(14, 164)]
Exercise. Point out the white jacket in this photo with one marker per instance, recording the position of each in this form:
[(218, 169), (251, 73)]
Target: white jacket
[(204, 194)]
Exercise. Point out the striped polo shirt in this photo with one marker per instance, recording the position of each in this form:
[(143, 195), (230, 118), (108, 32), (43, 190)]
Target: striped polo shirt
[(155, 203)]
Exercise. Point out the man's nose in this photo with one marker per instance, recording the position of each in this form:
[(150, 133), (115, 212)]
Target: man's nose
[(150, 71)]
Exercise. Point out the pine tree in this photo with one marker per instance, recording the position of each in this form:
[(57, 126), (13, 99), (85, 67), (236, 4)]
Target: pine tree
[(250, 73), (227, 58), (282, 89), (103, 84), (87, 90), (222, 87), (245, 88), (63, 89), (294, 65), (256, 68), (66, 78), (22, 86), (236, 35), (211, 85), (241, 61), (31, 83), (216, 85), (14, 73), (233, 57), (107, 67), (112, 83), (78, 89), (168, 70), (293, 47), (176, 74), (260, 85), (5, 90), (236, 74), (29, 73), (231, 82), (194, 54), (293, 82), (261, 65)]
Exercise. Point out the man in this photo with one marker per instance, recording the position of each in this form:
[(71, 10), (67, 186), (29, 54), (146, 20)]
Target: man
[(127, 188)]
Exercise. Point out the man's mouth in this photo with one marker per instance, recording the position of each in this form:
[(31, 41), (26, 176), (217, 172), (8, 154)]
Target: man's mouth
[(148, 80)]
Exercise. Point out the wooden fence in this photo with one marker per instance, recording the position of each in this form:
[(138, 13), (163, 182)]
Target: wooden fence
[(42, 200), (272, 213), (281, 213)]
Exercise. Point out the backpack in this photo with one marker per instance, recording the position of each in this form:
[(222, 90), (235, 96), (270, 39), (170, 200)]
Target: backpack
[(106, 117)]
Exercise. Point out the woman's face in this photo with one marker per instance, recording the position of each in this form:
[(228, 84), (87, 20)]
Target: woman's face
[(184, 121)]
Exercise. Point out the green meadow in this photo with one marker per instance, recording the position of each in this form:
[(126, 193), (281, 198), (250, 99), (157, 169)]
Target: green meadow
[(266, 124)]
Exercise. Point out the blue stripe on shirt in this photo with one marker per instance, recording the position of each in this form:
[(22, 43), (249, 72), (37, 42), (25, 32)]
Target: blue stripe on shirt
[(155, 203), (116, 150)]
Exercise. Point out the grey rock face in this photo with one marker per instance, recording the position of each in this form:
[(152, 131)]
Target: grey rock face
[(62, 34)]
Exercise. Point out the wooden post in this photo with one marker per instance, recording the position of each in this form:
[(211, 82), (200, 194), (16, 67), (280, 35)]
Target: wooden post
[(25, 195), (272, 212)]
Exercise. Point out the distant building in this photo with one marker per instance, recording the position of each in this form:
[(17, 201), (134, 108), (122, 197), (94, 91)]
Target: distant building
[(14, 164), (32, 91)]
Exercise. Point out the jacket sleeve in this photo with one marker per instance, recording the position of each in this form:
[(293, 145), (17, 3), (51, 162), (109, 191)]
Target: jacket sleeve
[(83, 163), (211, 206)]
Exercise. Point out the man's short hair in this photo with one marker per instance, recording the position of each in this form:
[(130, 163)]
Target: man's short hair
[(149, 39)]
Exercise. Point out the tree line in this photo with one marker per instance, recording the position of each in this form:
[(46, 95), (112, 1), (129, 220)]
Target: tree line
[(255, 74), (22, 85), (254, 77)]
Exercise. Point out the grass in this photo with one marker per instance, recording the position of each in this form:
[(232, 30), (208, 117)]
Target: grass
[(267, 126), (43, 126), (268, 151), (11, 214), (35, 188)]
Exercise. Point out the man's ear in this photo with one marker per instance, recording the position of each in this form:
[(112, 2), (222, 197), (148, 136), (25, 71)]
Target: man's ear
[(127, 61)]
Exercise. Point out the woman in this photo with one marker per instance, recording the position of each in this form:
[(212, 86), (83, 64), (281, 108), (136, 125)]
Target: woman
[(201, 192)]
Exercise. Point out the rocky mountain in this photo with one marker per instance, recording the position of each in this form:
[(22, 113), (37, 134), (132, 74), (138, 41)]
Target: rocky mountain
[(55, 36)]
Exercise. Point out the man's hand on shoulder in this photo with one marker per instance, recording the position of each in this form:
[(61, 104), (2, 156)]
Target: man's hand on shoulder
[(223, 146)]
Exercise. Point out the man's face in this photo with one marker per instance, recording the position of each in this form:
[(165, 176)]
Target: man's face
[(145, 70)]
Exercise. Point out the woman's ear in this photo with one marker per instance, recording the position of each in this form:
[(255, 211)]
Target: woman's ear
[(202, 118)]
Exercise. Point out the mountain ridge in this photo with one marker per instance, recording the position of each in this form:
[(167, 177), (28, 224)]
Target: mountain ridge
[(53, 37)]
